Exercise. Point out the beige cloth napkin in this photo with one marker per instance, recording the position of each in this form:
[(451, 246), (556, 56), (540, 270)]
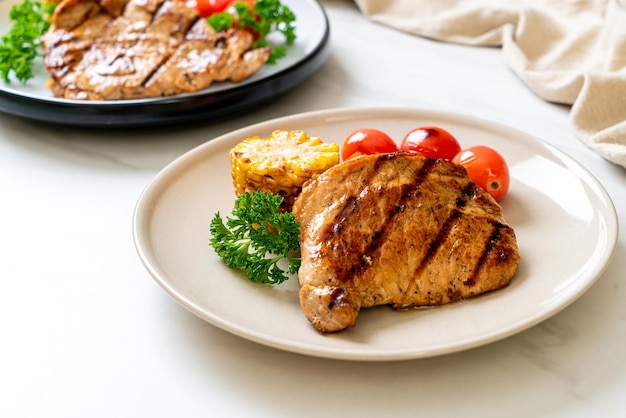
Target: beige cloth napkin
[(567, 51)]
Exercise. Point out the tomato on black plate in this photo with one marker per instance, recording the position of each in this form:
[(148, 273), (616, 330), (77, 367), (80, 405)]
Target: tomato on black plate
[(208, 7)]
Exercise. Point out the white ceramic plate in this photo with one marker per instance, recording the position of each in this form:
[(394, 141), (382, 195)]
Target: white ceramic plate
[(565, 223), (33, 100)]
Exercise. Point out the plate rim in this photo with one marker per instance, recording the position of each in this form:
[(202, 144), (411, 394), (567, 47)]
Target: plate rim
[(190, 157)]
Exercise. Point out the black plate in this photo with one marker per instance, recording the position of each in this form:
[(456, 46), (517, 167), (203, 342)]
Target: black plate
[(33, 101)]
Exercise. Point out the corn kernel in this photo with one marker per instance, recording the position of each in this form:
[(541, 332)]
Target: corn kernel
[(280, 164)]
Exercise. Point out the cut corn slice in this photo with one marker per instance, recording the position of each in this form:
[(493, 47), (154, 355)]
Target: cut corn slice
[(280, 164)]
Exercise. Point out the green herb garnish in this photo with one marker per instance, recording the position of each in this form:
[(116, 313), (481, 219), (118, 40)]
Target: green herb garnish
[(265, 18), (22, 43), (257, 237)]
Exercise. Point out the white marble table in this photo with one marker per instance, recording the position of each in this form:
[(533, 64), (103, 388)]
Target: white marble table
[(86, 332)]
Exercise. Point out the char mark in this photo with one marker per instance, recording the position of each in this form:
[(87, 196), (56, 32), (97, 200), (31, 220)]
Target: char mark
[(439, 239), (376, 240), (167, 56), (123, 10), (466, 194), (351, 204), (338, 298), (461, 201), (490, 245)]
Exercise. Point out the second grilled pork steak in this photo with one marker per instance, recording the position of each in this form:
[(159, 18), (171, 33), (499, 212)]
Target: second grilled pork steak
[(130, 49), (397, 229)]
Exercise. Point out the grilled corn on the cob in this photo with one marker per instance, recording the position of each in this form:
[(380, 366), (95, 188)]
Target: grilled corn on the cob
[(280, 164)]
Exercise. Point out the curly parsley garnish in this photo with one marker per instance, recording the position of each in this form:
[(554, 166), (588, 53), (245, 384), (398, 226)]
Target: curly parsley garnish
[(266, 17), (257, 237), (22, 43)]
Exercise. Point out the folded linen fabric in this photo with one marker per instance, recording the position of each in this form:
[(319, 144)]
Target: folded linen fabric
[(567, 51)]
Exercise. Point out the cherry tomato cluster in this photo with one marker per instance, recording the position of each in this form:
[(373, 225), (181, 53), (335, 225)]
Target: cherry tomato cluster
[(208, 7), (484, 165)]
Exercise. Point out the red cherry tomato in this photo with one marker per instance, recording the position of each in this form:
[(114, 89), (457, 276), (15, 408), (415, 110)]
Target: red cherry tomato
[(208, 7), (367, 141), (431, 141), (487, 168)]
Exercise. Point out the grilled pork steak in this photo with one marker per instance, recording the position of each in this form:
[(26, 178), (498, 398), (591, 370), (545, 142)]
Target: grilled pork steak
[(129, 49), (397, 229)]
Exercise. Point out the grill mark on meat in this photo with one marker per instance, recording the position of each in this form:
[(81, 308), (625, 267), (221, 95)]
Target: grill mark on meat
[(454, 218), (412, 236), (408, 191), (146, 81), (490, 244), (349, 207), (468, 191), (337, 297), (379, 237), (151, 74), (439, 239), (156, 13), (143, 41), (352, 202), (365, 260), (123, 10)]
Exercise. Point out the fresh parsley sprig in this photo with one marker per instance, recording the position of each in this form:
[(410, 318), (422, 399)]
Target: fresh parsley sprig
[(265, 18), (257, 237), (22, 43)]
